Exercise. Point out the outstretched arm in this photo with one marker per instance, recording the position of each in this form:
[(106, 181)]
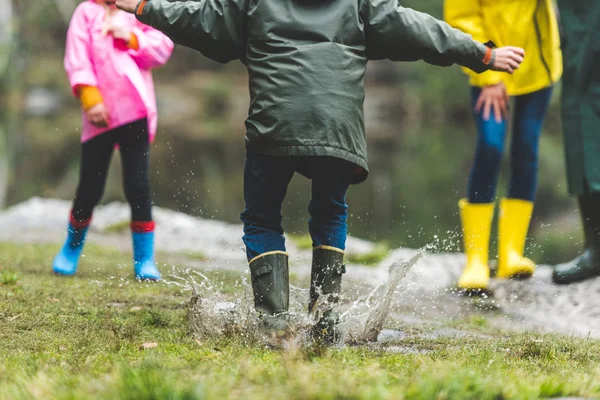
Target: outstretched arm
[(213, 27), (403, 34), (153, 47)]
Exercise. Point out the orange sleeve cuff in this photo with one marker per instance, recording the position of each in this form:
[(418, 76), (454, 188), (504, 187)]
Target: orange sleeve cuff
[(140, 7), (89, 96), (488, 55), (133, 43)]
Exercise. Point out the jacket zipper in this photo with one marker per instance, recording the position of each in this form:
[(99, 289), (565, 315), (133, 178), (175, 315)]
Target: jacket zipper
[(539, 40)]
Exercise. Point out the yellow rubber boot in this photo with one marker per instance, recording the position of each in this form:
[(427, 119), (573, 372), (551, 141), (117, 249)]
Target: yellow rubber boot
[(477, 224), (515, 215)]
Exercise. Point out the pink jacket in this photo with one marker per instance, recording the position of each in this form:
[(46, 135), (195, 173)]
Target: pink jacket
[(122, 75)]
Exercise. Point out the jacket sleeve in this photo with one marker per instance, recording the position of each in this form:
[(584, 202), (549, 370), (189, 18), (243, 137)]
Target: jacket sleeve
[(403, 34), (467, 15), (78, 53), (89, 96), (213, 27), (153, 48)]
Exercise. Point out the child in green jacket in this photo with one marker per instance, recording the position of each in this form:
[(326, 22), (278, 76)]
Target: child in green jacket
[(306, 60)]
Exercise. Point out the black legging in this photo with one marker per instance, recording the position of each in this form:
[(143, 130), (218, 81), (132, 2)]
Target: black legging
[(95, 159)]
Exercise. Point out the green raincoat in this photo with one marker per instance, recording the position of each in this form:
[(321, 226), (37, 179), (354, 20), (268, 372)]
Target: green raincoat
[(307, 60), (581, 93)]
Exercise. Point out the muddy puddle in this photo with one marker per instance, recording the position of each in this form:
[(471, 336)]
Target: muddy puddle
[(417, 292), (211, 314)]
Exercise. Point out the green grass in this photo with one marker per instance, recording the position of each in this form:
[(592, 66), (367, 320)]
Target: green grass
[(82, 337), (371, 258), (303, 242), (374, 257), (195, 255), (8, 278), (118, 227)]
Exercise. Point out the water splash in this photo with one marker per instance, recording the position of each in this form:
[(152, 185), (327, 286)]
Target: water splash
[(213, 314), (365, 319)]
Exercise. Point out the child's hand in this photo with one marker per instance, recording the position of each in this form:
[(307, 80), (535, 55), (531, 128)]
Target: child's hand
[(98, 116), (495, 97), (119, 32), (127, 5), (508, 59)]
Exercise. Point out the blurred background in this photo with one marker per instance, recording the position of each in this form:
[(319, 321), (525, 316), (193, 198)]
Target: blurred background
[(419, 124)]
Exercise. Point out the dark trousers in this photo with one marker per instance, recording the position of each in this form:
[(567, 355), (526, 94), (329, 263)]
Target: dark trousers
[(266, 180), (132, 140), (529, 113)]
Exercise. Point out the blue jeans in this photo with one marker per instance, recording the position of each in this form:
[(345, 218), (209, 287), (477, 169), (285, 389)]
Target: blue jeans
[(527, 126), (266, 179)]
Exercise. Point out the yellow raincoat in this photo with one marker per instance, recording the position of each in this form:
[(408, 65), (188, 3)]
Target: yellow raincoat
[(530, 24)]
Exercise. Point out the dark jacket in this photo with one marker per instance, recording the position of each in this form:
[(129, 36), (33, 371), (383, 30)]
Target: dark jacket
[(581, 92), (307, 59)]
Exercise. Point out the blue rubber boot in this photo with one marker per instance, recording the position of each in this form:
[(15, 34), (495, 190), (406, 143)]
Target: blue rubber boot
[(65, 262), (144, 266)]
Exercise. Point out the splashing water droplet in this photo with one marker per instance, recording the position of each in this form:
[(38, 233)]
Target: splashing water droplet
[(213, 314)]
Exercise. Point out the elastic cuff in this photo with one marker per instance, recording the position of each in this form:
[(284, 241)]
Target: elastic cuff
[(331, 248), (142, 226), (133, 43), (493, 59), (489, 53), (89, 96), (466, 202), (79, 224), (268, 253), (139, 9)]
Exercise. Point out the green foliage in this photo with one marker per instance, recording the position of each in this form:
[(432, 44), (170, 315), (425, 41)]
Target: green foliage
[(479, 321), (196, 255), (374, 257), (8, 278), (148, 382), (303, 242), (371, 258), (216, 96), (118, 227), (155, 319)]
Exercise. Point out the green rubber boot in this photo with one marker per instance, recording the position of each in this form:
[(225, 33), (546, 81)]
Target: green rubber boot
[(587, 265), (271, 287), (326, 282)]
